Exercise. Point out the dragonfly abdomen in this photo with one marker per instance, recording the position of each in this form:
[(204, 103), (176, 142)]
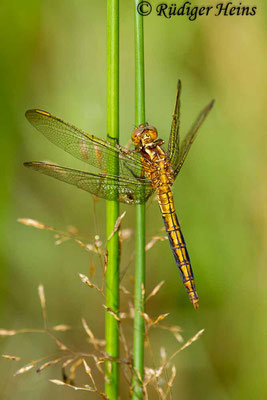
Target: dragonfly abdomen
[(177, 243)]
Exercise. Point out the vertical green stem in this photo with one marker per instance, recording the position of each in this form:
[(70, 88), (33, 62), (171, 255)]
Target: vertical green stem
[(139, 327), (112, 208)]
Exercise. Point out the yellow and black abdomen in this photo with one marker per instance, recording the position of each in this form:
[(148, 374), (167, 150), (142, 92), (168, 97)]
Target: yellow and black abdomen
[(177, 242)]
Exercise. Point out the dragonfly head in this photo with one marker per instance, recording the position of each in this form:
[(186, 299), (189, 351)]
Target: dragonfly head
[(144, 134)]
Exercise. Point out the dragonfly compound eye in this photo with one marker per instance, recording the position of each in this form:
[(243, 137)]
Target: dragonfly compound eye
[(152, 132), (137, 134)]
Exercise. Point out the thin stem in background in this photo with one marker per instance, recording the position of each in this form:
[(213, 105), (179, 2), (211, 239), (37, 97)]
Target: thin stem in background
[(139, 326), (112, 208)]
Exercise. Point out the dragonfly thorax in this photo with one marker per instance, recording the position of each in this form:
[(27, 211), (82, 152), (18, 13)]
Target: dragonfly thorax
[(143, 135)]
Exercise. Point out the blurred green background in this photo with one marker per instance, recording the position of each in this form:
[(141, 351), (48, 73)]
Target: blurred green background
[(53, 57)]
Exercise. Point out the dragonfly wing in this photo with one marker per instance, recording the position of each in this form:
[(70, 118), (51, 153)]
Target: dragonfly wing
[(88, 148), (174, 139), (126, 190), (190, 137)]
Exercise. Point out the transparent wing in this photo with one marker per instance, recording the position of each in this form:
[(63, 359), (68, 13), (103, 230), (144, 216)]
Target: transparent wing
[(126, 190), (173, 144), (86, 147), (190, 137)]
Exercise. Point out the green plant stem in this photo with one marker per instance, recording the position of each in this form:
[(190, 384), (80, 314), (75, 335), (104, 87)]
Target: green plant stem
[(112, 208), (139, 326)]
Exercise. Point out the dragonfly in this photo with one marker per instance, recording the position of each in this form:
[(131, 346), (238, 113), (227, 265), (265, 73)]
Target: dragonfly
[(128, 176)]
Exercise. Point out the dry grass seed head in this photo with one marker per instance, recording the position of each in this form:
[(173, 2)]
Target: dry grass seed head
[(117, 225), (48, 364), (12, 358), (24, 369), (61, 328), (5, 332), (155, 290), (114, 315)]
